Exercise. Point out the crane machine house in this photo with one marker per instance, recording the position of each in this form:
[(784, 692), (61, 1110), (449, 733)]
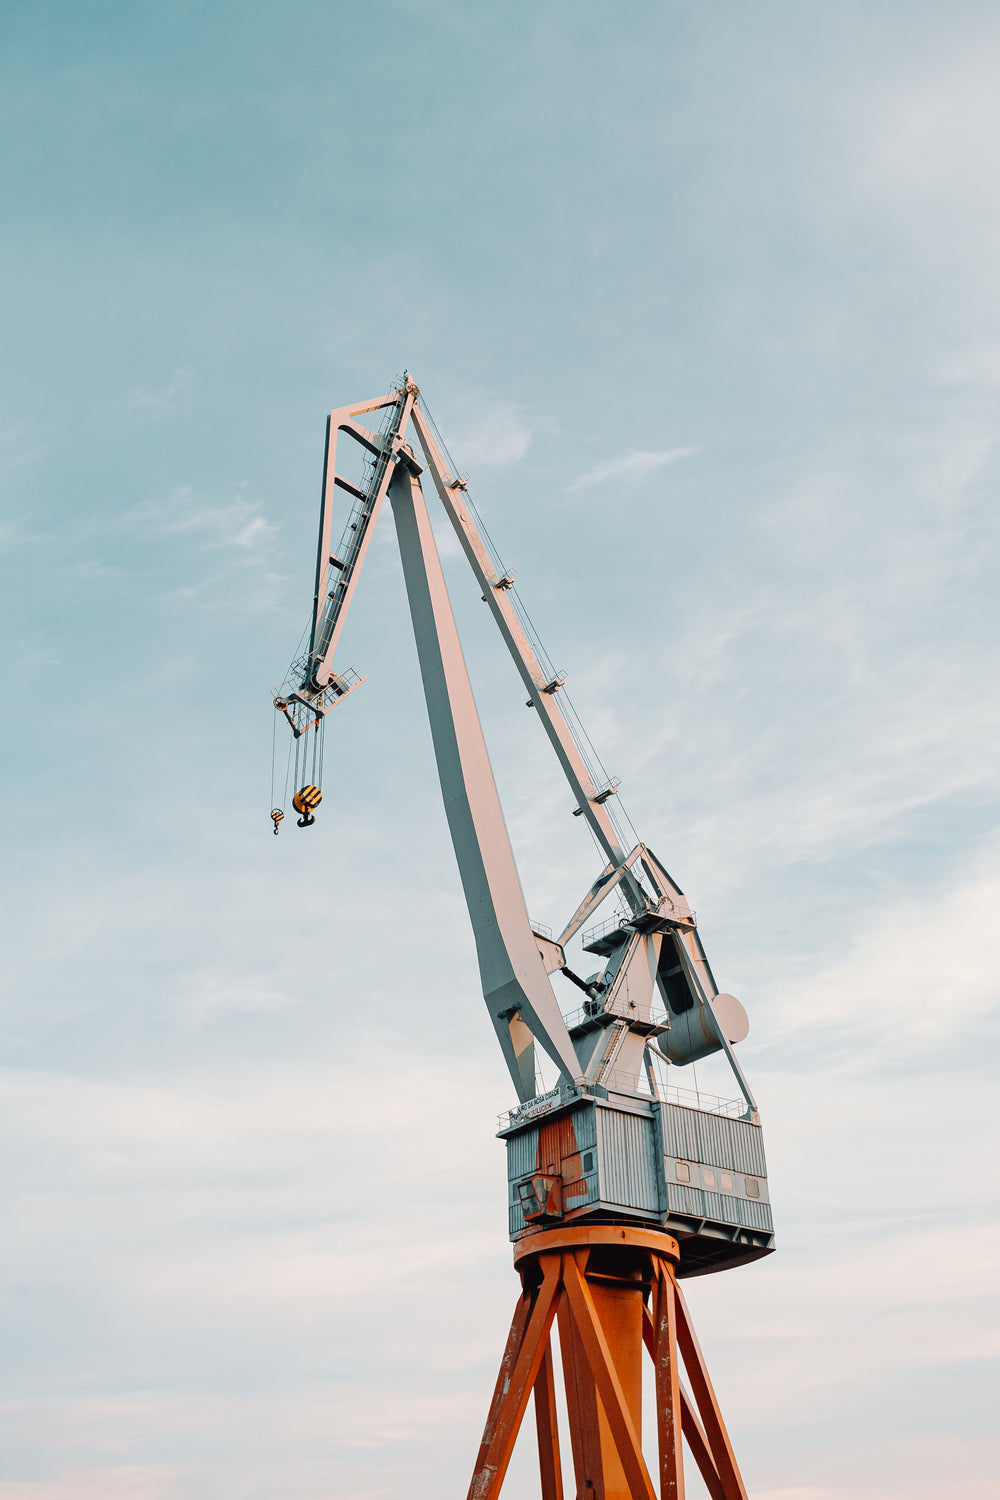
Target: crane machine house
[(612, 1140)]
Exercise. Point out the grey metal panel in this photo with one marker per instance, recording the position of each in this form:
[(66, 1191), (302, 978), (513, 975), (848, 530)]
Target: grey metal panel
[(627, 1159), (574, 1199), (713, 1205), (730, 1209), (685, 1200), (680, 1132), (522, 1153), (716, 1140), (755, 1215), (585, 1126), (732, 1143), (724, 1207)]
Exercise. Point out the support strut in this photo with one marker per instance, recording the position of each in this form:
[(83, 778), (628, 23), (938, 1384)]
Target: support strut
[(613, 1290)]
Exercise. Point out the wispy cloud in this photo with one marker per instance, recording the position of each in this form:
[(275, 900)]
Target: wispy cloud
[(488, 433), (238, 523), (210, 993), (629, 470), (891, 987), (161, 398)]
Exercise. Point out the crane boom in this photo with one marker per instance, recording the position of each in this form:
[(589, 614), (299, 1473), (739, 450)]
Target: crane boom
[(516, 988)]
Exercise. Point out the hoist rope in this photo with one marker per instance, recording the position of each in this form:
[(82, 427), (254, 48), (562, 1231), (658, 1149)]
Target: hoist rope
[(274, 751), (288, 770)]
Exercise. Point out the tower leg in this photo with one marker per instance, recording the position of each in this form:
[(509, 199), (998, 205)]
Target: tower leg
[(527, 1345), (583, 1409), (597, 1315), (663, 1348), (547, 1428), (596, 1280)]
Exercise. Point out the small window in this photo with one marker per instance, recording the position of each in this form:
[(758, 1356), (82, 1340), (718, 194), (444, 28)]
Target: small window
[(683, 1172), (588, 1161), (726, 1182), (708, 1176), (753, 1188)]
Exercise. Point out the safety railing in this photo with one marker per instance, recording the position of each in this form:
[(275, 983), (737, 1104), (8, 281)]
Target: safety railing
[(667, 909), (601, 929), (636, 1085), (620, 1007), (709, 1104)]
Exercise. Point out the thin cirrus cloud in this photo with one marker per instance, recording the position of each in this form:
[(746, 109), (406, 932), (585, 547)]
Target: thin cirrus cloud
[(488, 433), (628, 470)]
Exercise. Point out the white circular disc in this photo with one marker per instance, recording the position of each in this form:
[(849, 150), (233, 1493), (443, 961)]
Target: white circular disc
[(733, 1018)]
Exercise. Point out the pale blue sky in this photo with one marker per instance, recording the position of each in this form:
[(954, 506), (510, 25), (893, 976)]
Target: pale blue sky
[(705, 299)]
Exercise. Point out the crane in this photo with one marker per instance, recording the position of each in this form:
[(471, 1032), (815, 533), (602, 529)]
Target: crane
[(620, 1183)]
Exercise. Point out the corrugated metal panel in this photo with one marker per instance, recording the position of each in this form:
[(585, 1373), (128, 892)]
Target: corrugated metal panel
[(627, 1159), (732, 1143), (573, 1197), (719, 1207), (696, 1135), (684, 1200), (755, 1215), (729, 1210), (585, 1127), (723, 1207), (556, 1140), (713, 1205), (522, 1153), (680, 1132)]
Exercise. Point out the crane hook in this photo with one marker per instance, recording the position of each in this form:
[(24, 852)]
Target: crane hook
[(276, 816), (305, 801)]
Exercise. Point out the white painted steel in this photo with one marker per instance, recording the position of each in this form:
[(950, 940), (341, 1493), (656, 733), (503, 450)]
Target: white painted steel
[(516, 987), (329, 614)]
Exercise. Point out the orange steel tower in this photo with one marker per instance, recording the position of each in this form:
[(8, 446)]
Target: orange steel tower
[(621, 1181)]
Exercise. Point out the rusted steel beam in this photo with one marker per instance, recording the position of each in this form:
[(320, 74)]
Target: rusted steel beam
[(547, 1428), (581, 1403), (667, 1377), (514, 1386)]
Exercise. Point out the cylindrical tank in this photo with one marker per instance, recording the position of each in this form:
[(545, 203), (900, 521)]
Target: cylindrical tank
[(693, 1035)]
